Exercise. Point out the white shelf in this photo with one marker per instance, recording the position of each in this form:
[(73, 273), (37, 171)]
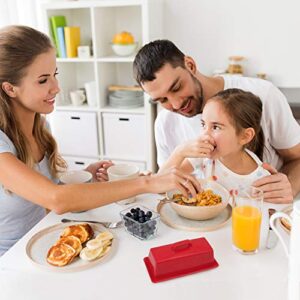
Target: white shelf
[(99, 21), (75, 59), (138, 110), (76, 108), (112, 58)]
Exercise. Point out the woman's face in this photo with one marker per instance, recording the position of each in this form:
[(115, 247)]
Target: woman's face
[(38, 88), (217, 124)]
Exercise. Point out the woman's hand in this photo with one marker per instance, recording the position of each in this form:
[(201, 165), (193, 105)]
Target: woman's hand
[(172, 179), (99, 170), (200, 147)]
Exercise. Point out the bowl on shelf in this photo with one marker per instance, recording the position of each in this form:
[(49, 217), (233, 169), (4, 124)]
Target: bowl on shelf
[(203, 212), (124, 50)]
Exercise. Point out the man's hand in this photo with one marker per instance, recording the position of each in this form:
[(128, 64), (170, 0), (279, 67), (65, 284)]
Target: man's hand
[(276, 187)]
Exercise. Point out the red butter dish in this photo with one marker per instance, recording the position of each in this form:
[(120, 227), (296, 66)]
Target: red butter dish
[(179, 259)]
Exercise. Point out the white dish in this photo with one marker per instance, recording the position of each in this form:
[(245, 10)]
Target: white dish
[(202, 212), (39, 244), (124, 50)]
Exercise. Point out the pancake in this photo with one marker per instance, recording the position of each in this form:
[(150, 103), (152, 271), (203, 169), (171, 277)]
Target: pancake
[(83, 231), (60, 255), (72, 241)]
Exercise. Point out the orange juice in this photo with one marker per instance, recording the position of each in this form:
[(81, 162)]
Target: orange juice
[(246, 222)]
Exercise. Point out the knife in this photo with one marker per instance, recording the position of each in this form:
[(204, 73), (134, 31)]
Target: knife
[(272, 237)]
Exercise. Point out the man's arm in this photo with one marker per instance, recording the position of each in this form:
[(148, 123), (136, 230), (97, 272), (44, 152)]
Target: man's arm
[(291, 167), (282, 187)]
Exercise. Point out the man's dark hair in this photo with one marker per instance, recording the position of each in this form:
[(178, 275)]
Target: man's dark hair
[(153, 56)]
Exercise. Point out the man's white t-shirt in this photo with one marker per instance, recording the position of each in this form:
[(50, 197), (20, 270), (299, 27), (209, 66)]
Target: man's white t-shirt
[(280, 128)]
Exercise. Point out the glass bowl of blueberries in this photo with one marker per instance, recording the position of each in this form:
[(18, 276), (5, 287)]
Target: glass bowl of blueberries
[(140, 221)]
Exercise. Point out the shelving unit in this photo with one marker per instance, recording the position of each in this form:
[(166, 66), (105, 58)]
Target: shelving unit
[(123, 135)]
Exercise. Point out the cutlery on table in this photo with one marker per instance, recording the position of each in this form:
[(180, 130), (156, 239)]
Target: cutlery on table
[(110, 225), (272, 237)]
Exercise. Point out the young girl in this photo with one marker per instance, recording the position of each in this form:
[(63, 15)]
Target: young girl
[(29, 162), (230, 147)]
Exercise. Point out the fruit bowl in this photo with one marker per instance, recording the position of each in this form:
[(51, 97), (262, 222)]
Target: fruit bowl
[(124, 50), (202, 212), (140, 221)]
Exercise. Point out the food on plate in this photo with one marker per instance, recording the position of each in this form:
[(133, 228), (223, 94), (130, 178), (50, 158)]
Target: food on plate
[(97, 247), (72, 241), (60, 255), (70, 245), (204, 198), (83, 231)]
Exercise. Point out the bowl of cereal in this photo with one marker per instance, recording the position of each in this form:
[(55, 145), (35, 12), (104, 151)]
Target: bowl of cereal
[(208, 203)]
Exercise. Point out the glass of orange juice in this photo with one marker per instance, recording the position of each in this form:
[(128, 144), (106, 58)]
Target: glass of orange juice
[(246, 220)]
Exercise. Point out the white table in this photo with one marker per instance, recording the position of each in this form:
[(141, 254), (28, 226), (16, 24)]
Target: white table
[(124, 276)]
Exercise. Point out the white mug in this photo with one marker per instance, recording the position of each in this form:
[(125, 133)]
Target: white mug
[(121, 172), (74, 177), (90, 90), (294, 252), (77, 97)]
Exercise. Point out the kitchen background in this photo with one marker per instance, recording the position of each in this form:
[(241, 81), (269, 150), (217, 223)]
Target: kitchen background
[(266, 33)]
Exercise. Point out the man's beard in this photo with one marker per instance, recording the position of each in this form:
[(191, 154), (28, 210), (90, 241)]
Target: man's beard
[(198, 100)]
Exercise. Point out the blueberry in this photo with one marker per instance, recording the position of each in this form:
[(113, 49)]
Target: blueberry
[(141, 213), (137, 209), (142, 220), (149, 214), (129, 215), (133, 210)]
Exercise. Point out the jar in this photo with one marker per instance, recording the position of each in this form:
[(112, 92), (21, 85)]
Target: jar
[(235, 65)]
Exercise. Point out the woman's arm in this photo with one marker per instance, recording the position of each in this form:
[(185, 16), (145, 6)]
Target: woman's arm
[(18, 178)]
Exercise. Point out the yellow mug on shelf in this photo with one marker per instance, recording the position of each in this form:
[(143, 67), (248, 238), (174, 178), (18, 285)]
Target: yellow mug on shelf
[(246, 220)]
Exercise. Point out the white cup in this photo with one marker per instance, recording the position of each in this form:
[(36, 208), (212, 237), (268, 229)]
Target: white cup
[(294, 252), (90, 90), (84, 51), (79, 176), (121, 172), (73, 177), (77, 97)]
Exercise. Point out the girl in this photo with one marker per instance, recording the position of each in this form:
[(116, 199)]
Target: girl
[(29, 161), (230, 147)]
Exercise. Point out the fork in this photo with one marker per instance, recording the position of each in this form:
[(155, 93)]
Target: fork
[(110, 225)]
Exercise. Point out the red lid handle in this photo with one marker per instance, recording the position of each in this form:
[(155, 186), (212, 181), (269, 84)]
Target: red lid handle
[(180, 246)]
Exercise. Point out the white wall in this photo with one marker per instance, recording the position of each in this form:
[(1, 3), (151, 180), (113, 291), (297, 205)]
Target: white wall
[(267, 32)]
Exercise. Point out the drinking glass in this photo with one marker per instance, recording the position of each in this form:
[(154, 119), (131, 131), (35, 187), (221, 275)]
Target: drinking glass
[(246, 220)]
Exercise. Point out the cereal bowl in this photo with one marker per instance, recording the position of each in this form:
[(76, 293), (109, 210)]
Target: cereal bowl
[(202, 212)]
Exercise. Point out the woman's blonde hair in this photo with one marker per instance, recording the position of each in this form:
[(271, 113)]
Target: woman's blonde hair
[(19, 47)]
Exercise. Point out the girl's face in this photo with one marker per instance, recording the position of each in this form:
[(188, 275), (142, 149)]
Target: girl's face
[(38, 88), (216, 123)]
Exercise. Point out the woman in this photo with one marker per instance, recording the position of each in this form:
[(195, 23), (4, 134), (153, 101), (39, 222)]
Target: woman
[(29, 161)]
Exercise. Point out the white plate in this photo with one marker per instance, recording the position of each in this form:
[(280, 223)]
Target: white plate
[(38, 246)]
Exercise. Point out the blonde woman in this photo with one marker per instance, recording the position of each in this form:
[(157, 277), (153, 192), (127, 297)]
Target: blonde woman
[(29, 161)]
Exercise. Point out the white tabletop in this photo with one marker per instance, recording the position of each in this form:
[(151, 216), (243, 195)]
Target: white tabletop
[(123, 275)]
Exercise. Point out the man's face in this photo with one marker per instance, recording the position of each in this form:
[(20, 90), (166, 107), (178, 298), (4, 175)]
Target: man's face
[(177, 90)]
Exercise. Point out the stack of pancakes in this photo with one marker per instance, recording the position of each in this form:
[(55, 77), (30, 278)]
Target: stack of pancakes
[(69, 245)]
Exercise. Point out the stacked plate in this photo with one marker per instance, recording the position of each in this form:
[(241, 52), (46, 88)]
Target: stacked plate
[(126, 99)]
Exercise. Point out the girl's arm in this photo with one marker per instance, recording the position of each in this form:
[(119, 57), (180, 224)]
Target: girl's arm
[(199, 148), (18, 178)]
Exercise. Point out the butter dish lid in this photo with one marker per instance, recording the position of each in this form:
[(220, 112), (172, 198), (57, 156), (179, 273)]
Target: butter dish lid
[(179, 259)]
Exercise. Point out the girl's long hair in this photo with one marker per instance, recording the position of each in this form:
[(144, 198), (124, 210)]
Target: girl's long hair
[(19, 47), (245, 111)]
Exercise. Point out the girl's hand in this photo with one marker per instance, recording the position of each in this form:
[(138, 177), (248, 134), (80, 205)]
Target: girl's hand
[(174, 179), (201, 147), (99, 170)]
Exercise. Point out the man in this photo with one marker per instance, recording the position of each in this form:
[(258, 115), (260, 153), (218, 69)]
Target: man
[(171, 78)]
